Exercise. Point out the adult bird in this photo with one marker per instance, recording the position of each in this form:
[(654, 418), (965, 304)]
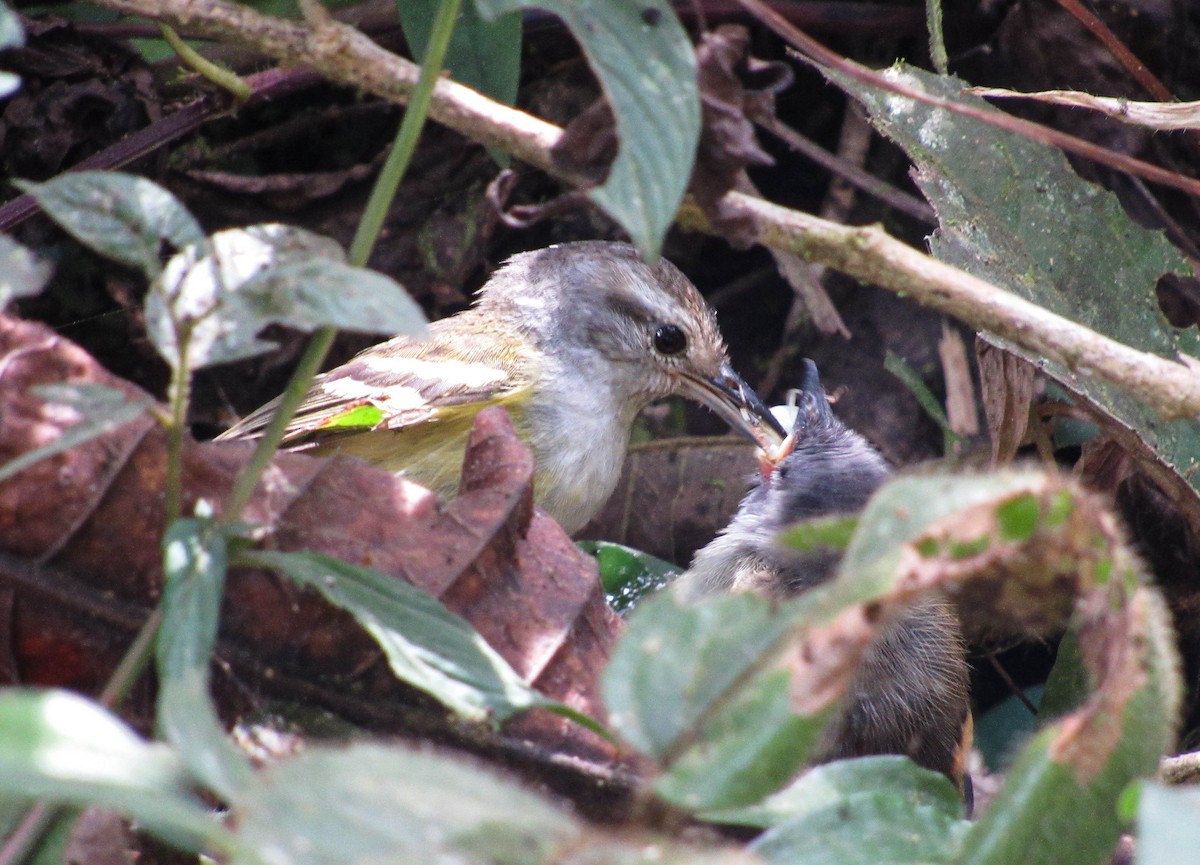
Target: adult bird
[(574, 340)]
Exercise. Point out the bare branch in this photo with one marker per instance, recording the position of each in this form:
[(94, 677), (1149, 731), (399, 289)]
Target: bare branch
[(344, 54)]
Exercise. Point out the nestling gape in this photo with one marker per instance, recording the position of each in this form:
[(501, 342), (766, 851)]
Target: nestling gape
[(909, 695)]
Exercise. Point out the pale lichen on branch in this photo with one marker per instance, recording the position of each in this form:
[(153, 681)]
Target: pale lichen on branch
[(343, 54)]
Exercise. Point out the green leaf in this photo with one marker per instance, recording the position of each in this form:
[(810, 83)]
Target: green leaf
[(903, 509), (484, 55), (11, 33), (1013, 212), (426, 645), (628, 575), (644, 60), (839, 782), (371, 803), (749, 749), (11, 36), (58, 746), (1069, 682), (120, 216), (870, 828), (677, 665), (820, 533), (195, 559), (22, 274), (1168, 825), (100, 410), (214, 298), (1060, 800)]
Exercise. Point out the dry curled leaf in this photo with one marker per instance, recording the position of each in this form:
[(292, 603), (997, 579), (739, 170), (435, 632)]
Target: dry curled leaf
[(727, 142), (1151, 115), (79, 547), (1006, 382)]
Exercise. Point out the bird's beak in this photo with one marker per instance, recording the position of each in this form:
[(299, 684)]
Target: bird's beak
[(738, 405)]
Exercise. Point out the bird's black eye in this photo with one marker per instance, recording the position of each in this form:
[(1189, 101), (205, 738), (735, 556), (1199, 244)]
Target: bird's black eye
[(669, 339)]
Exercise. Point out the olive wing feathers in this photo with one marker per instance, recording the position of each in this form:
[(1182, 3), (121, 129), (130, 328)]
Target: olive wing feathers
[(398, 384)]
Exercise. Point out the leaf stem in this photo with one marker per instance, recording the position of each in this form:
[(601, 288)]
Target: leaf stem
[(406, 138), (133, 663), (224, 78), (360, 250), (29, 833), (268, 444), (181, 386)]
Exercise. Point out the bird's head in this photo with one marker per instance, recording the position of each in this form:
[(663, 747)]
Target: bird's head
[(596, 310), (823, 467)]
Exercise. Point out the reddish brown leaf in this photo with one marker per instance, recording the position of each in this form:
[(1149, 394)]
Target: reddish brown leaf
[(100, 838), (79, 537)]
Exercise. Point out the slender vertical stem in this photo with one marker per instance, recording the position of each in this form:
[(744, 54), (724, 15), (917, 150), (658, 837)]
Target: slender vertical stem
[(180, 394), (406, 138), (289, 401), (360, 250)]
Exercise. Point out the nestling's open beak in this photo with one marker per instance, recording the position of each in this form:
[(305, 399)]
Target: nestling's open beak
[(738, 405)]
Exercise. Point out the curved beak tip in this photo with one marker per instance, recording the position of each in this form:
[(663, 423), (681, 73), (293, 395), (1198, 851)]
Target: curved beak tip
[(737, 403)]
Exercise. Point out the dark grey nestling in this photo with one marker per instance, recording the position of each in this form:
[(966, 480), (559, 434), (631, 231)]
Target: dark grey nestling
[(909, 695)]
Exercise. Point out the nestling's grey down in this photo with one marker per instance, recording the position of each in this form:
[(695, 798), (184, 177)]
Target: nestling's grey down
[(909, 694)]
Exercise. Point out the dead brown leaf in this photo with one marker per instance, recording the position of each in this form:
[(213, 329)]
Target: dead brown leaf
[(1006, 382), (79, 547), (960, 390)]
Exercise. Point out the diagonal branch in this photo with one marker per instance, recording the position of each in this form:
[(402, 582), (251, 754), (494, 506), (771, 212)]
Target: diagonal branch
[(343, 54)]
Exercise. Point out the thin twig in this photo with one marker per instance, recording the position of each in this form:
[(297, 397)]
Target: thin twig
[(1013, 688), (1172, 389)]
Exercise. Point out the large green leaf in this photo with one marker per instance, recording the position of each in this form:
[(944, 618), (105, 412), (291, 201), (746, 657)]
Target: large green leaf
[(867, 829), (120, 216), (426, 645), (900, 512), (698, 688), (870, 810), (214, 298), (61, 747), (831, 783), (644, 60), (676, 661), (1012, 212), (749, 748), (373, 804), (1059, 802), (195, 558)]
